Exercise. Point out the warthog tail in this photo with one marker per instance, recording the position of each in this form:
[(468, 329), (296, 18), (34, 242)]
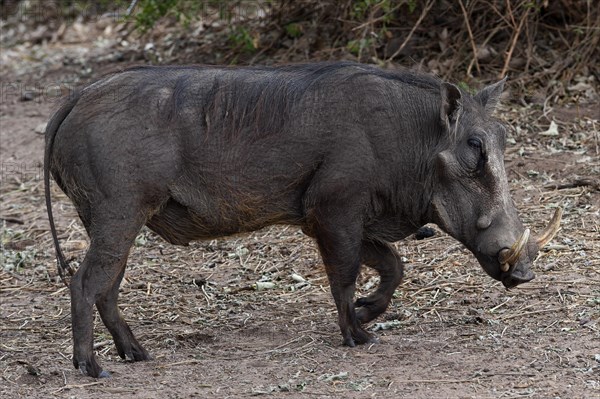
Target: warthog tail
[(51, 130)]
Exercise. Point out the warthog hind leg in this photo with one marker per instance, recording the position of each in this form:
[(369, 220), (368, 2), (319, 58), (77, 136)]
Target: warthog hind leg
[(127, 345), (97, 282)]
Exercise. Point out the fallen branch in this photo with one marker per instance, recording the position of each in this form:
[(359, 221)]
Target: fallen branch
[(574, 184)]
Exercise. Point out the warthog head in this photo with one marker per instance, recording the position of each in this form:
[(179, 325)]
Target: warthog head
[(471, 200)]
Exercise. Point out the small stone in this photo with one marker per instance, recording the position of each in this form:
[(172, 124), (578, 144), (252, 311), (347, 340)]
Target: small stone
[(241, 251), (552, 130), (27, 96), (263, 285), (387, 325), (549, 267), (580, 87), (33, 370)]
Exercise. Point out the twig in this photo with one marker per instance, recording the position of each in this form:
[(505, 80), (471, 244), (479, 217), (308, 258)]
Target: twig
[(512, 316), (372, 21), (462, 7), (484, 43), (102, 344), (131, 7), (529, 50), (75, 386), (414, 28), (574, 184), (513, 43), (509, 373), (12, 220), (492, 310), (510, 13), (434, 381), (191, 361)]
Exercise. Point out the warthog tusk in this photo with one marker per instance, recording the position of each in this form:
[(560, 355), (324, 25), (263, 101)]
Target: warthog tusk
[(550, 231), (510, 256)]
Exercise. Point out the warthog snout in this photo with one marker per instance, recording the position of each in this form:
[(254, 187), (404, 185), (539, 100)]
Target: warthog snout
[(514, 266)]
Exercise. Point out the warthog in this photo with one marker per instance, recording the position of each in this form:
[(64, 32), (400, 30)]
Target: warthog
[(358, 157)]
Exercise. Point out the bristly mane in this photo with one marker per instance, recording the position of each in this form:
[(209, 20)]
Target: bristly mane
[(316, 71), (262, 97)]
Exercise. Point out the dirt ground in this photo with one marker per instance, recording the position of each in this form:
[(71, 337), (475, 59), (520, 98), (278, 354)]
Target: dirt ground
[(451, 332)]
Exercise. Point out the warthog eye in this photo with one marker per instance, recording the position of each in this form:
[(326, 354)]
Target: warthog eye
[(475, 143)]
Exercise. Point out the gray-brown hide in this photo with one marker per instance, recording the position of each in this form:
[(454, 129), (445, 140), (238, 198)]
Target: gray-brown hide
[(356, 156)]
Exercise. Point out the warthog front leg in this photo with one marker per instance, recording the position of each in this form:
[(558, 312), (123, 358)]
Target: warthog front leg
[(340, 243), (383, 258)]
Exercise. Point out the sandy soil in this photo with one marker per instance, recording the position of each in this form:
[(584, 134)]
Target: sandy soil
[(451, 332)]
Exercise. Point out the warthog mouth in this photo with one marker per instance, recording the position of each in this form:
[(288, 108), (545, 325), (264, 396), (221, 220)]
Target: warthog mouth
[(519, 275)]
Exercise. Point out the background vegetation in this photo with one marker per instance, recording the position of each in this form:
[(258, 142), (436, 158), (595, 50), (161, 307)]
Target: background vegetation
[(549, 42)]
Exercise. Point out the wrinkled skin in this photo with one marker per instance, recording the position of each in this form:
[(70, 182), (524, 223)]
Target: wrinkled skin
[(356, 156), (471, 200)]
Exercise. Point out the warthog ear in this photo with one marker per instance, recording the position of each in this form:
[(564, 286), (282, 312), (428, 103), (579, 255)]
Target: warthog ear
[(450, 96), (489, 96)]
